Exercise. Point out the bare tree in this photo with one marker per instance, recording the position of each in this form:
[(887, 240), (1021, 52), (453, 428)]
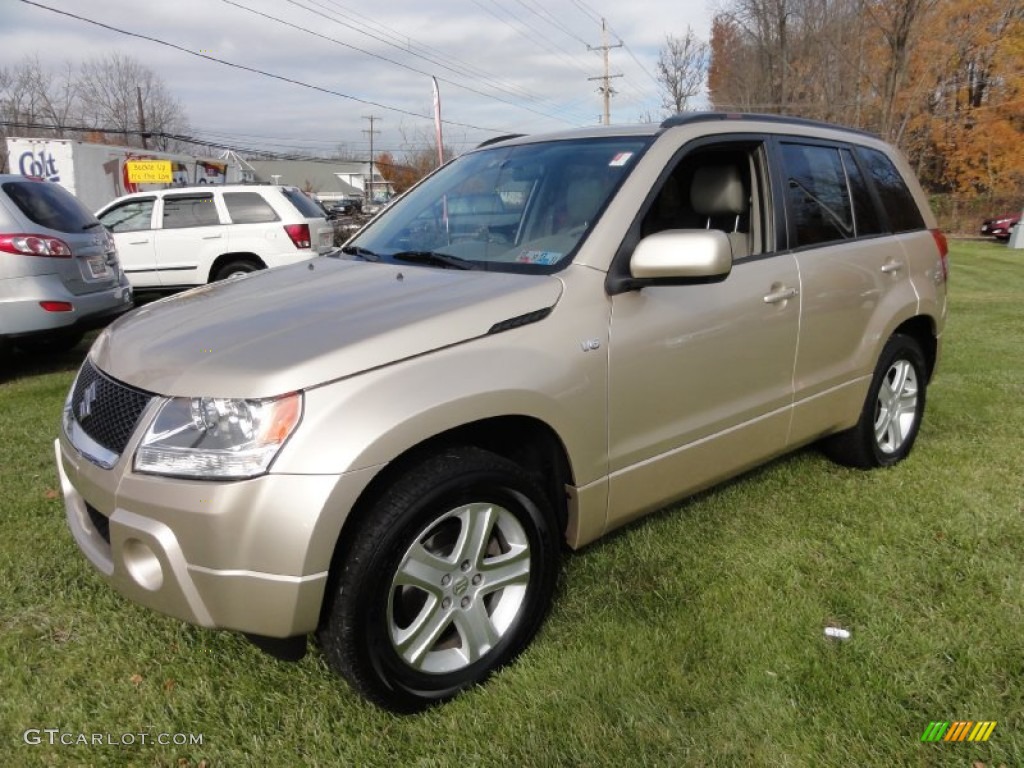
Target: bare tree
[(31, 95), (682, 70), (109, 87)]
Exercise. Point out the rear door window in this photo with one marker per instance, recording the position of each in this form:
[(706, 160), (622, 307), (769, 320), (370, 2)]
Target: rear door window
[(181, 211), (817, 196), (897, 201), (248, 208), (50, 205), (131, 216)]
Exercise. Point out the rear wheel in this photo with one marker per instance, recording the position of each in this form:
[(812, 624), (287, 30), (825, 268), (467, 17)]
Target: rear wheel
[(236, 268), (891, 416), (448, 578)]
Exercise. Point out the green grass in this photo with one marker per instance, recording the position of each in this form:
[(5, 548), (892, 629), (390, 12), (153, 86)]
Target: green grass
[(694, 637)]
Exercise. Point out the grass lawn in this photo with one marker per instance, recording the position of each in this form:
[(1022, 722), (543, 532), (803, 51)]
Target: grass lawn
[(694, 637)]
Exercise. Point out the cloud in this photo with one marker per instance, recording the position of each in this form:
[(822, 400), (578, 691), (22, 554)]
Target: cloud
[(505, 65)]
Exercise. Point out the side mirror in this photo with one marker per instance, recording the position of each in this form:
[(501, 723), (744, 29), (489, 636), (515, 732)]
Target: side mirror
[(682, 256)]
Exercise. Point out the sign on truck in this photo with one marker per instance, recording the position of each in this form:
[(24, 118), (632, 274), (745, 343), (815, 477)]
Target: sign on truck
[(149, 171)]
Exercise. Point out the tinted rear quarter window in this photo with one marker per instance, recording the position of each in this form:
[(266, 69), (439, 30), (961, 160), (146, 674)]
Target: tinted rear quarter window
[(305, 206), (182, 211), (49, 205), (897, 201), (249, 208), (865, 215)]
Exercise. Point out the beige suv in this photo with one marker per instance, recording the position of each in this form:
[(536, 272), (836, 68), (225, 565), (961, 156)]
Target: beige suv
[(545, 339)]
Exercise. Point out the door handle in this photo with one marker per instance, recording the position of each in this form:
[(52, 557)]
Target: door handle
[(138, 242), (780, 295), (892, 266), (212, 237)]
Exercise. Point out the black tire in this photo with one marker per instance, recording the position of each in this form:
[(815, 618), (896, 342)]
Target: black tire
[(51, 344), (236, 268), (377, 633), (880, 438)]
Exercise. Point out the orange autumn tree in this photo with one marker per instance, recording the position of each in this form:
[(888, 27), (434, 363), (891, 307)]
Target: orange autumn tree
[(943, 79), (975, 118)]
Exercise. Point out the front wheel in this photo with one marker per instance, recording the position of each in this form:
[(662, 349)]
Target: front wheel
[(891, 416), (447, 579)]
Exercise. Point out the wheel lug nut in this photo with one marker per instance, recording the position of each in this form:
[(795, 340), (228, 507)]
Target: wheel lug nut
[(446, 580), (477, 579), (465, 565), (446, 603), (465, 602)]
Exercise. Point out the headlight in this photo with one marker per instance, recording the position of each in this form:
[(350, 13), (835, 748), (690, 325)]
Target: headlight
[(212, 437)]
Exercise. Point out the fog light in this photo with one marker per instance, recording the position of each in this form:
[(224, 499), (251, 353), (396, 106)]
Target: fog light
[(142, 564)]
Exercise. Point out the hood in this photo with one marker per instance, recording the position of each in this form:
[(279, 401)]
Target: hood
[(295, 327)]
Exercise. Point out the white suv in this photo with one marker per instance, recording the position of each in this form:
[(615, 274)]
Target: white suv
[(187, 236)]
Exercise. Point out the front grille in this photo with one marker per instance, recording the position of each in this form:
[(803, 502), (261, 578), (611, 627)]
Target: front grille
[(106, 410), (100, 522)]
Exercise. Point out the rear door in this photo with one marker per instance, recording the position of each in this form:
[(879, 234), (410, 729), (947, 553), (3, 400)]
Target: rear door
[(190, 238), (855, 281)]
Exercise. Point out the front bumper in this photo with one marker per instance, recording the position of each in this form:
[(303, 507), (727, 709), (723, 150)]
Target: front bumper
[(246, 555)]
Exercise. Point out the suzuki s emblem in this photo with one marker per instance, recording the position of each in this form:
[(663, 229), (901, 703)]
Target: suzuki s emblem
[(88, 398)]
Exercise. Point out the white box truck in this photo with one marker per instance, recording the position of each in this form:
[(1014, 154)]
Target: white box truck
[(96, 173)]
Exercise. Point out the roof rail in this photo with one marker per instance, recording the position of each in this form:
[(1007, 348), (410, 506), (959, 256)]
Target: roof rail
[(685, 118)]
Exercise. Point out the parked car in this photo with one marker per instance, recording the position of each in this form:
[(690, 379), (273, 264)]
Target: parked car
[(59, 272), (1000, 226), (390, 445), (188, 236), (344, 206)]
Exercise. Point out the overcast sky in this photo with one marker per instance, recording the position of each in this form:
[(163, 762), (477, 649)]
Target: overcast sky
[(504, 66)]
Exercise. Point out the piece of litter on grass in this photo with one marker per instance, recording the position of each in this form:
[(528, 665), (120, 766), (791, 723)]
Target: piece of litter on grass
[(837, 633)]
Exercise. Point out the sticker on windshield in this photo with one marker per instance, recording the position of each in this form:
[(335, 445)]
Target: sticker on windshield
[(539, 257), (620, 159)]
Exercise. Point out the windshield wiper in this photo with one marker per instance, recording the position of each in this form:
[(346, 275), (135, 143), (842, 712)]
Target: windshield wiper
[(364, 253), (433, 257)]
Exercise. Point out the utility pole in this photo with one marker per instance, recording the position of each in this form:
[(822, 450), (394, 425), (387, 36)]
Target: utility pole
[(142, 116), (369, 183), (606, 89)]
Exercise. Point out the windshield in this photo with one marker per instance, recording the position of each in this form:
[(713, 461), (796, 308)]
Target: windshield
[(524, 208)]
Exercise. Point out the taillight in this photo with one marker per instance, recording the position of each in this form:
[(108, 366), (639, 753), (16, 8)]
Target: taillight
[(943, 246), (57, 306), (299, 233), (35, 245)]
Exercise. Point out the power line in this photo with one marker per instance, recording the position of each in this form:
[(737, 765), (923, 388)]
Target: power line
[(432, 60), (255, 70), (523, 32), (256, 152), (402, 42)]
